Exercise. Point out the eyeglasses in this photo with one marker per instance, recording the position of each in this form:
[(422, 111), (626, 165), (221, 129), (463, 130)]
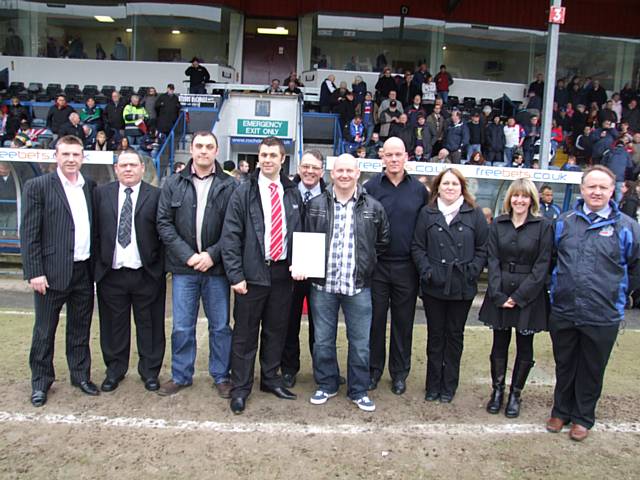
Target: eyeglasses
[(310, 167)]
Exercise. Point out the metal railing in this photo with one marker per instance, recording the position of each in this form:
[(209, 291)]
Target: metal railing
[(169, 142), (337, 137), (177, 136)]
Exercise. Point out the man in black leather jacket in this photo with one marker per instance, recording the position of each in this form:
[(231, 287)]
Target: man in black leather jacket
[(357, 231)]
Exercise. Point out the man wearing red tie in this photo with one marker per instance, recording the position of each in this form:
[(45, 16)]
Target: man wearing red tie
[(257, 236)]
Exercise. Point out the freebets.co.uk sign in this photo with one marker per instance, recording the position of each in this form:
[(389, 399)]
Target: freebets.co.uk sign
[(263, 128)]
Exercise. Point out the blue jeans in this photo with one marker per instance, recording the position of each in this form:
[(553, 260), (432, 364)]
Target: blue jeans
[(471, 149), (508, 155), (444, 96), (188, 289), (357, 314)]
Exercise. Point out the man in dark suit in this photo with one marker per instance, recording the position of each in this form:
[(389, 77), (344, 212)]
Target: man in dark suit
[(310, 185), (257, 238), (56, 250), (129, 273)]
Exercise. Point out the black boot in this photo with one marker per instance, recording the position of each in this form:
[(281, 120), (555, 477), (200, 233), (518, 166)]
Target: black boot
[(520, 374), (498, 373)]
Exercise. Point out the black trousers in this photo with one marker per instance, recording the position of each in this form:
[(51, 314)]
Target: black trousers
[(118, 292), (581, 354), (395, 285), (501, 341), (290, 362), (445, 339), (266, 305), (78, 297)]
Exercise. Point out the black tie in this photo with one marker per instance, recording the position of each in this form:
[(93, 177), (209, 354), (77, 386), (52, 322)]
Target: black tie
[(124, 227), (307, 197), (594, 217)]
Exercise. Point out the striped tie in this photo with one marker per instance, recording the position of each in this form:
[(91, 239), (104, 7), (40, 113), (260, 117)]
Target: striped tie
[(276, 248)]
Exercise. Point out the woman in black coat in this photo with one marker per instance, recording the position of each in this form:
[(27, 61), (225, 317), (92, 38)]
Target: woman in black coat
[(630, 202), (449, 250), (520, 245)]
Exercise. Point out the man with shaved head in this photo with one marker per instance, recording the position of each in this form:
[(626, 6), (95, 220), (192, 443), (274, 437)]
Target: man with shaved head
[(395, 280), (359, 232)]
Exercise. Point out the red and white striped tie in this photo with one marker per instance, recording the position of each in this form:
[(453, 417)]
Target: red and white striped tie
[(276, 248)]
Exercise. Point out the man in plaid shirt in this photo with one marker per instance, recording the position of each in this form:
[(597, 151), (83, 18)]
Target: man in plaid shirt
[(357, 231)]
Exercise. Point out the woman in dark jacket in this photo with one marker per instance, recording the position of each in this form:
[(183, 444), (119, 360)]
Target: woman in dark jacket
[(449, 250), (630, 200), (520, 244)]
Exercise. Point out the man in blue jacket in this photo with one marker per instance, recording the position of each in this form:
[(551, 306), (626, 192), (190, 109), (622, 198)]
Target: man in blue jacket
[(597, 248)]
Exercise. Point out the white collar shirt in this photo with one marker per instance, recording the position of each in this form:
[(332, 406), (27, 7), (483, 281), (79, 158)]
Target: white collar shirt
[(603, 213), (129, 256), (265, 199), (80, 214)]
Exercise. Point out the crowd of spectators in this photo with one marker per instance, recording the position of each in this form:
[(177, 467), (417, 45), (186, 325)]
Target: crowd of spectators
[(588, 125), (136, 122)]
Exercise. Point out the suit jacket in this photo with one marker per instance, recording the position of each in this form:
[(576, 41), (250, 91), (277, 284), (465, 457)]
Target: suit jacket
[(105, 229), (47, 230)]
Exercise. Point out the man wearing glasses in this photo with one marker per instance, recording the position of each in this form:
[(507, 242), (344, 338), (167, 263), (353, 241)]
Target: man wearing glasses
[(310, 184)]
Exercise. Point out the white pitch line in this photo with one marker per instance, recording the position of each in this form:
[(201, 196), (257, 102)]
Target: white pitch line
[(279, 428)]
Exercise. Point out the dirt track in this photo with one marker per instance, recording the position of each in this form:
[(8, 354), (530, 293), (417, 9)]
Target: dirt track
[(371, 446)]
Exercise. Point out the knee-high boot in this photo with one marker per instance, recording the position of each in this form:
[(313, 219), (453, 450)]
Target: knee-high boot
[(498, 374), (520, 373)]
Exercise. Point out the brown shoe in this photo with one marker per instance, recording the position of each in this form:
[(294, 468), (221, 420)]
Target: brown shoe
[(578, 432), (171, 388), (224, 389), (554, 425)]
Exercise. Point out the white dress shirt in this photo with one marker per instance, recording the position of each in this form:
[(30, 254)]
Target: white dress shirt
[(603, 213), (128, 257), (265, 199), (80, 214)]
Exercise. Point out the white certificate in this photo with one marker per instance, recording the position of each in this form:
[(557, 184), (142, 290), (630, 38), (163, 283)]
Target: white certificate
[(308, 254)]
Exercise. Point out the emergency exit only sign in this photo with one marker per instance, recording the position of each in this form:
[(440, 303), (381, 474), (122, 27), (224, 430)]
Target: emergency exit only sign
[(263, 128)]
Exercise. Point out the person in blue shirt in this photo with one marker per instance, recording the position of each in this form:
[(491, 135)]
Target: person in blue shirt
[(547, 208)]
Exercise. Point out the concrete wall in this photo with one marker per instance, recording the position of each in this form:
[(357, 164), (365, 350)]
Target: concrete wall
[(104, 72)]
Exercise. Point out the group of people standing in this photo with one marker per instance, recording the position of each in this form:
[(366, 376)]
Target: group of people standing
[(386, 242)]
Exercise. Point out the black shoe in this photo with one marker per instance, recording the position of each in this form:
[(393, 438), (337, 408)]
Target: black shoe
[(279, 392), (373, 383), (289, 380), (152, 384), (110, 384), (237, 405), (399, 387), (431, 396), (446, 398), (38, 398), (87, 387)]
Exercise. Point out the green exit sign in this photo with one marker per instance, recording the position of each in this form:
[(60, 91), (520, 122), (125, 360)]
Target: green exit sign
[(263, 128)]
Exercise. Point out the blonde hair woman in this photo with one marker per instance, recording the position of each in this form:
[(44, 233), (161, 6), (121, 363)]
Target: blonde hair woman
[(519, 247)]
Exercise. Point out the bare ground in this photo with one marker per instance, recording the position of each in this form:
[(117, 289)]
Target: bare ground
[(41, 448)]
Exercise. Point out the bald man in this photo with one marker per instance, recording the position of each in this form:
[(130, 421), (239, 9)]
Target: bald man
[(395, 280), (359, 232)]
